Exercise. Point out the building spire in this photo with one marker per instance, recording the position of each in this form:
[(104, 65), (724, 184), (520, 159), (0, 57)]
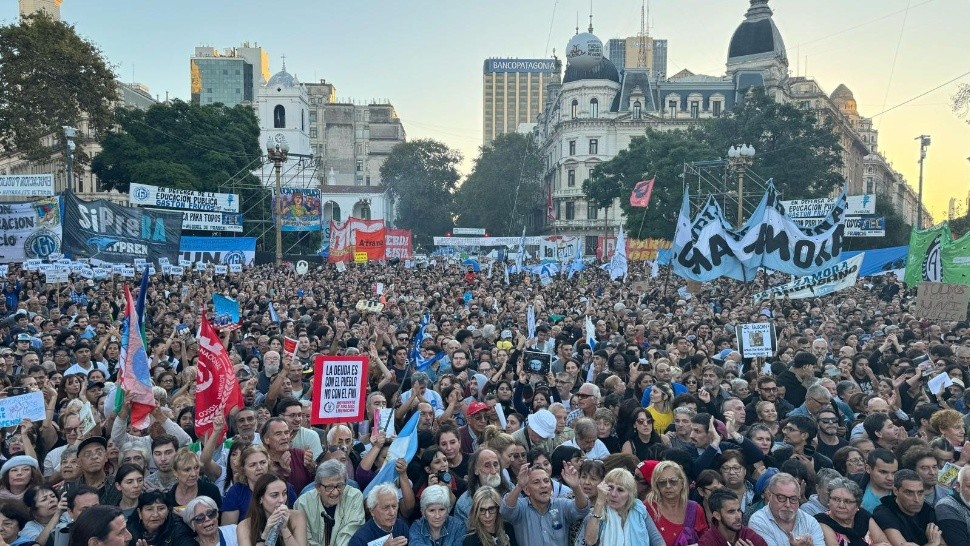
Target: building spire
[(284, 62)]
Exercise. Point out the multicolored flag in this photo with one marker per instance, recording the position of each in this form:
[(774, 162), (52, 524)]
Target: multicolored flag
[(641, 193), (134, 376), (216, 387)]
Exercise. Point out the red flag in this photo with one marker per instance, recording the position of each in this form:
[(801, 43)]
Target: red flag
[(216, 387), (641, 193), (550, 211)]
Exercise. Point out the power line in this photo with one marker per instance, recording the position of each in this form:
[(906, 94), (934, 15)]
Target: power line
[(860, 25), (892, 68), (923, 94)]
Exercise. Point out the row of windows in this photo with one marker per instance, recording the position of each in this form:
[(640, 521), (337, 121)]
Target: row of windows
[(566, 210), (594, 109), (594, 146)]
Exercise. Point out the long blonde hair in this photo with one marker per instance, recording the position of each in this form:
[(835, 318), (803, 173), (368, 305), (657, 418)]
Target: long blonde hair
[(483, 494), (653, 497)]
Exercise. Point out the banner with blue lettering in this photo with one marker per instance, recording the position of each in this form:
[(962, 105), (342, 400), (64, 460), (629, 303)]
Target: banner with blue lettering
[(708, 247), (30, 230), (116, 234), (219, 250)]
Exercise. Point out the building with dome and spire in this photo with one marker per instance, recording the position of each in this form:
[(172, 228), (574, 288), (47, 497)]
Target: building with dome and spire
[(597, 108)]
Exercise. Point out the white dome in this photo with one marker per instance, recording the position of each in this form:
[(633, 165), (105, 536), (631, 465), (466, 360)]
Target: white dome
[(584, 50)]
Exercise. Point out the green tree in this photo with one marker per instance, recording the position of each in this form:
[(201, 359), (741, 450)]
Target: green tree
[(506, 178), (180, 145), (421, 176), (658, 155), (50, 77), (801, 153)]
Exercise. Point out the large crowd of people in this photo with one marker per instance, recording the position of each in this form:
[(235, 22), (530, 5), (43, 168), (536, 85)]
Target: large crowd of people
[(652, 428)]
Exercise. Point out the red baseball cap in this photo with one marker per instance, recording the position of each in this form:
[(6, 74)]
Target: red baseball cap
[(646, 468), (476, 407)]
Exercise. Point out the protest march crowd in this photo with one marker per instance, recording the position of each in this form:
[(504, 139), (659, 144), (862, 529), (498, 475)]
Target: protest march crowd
[(497, 412)]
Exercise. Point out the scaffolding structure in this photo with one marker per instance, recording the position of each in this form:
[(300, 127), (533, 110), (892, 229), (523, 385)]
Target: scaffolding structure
[(718, 179)]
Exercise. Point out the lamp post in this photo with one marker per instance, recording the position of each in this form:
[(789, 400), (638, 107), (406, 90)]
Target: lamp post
[(924, 142), (70, 133), (739, 159), (277, 150)]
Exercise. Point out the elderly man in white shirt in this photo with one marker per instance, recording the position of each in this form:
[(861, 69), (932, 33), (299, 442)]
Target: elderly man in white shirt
[(586, 439), (781, 521)]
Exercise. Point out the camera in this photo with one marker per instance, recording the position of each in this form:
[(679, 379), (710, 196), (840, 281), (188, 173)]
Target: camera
[(444, 476)]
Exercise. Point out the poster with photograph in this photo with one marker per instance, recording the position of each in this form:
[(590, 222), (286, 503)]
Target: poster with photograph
[(537, 363), (757, 340)]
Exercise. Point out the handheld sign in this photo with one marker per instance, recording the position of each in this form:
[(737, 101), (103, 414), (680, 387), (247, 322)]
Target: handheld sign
[(360, 257), (941, 301), (339, 389), (302, 267)]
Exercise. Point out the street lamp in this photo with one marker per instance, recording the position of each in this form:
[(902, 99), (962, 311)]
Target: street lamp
[(277, 149), (924, 142), (740, 159), (70, 133)]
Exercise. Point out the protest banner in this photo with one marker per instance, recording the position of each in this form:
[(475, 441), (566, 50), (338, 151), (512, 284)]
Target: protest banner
[(15, 409), (360, 257), (397, 244), (217, 392), (299, 209), (339, 389), (941, 301), (826, 281), (757, 339), (372, 243)]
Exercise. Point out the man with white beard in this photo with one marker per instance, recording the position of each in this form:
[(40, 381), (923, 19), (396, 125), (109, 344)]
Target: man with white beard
[(953, 511), (486, 469)]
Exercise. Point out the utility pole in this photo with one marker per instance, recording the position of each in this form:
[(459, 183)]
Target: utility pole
[(70, 133), (924, 142)]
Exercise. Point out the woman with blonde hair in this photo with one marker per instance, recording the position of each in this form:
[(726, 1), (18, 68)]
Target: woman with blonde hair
[(617, 517), (679, 520), (660, 407), (188, 486), (485, 524)]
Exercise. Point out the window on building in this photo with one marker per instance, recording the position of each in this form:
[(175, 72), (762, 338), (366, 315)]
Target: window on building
[(672, 107), (592, 241), (594, 108), (637, 110), (571, 178), (594, 146), (695, 109), (313, 132), (313, 117), (365, 212), (716, 108), (558, 210), (592, 212), (367, 180), (279, 117), (360, 165), (574, 109), (570, 210), (572, 147)]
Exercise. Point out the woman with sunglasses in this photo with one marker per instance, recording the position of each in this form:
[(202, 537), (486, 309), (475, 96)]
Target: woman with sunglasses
[(846, 523), (202, 516), (643, 436), (678, 519), (618, 518), (486, 526)]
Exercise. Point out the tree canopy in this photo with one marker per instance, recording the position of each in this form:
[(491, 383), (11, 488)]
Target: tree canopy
[(796, 149), (504, 187), (180, 145), (421, 176), (50, 77)]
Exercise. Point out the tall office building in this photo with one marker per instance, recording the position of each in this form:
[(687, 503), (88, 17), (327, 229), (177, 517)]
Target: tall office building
[(52, 7), (231, 77), (514, 92), (626, 53)]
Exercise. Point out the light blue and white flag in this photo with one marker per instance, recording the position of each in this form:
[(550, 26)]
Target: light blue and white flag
[(590, 333), (520, 257), (530, 318), (618, 265), (403, 447)]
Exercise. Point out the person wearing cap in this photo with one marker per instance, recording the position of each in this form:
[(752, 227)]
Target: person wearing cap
[(539, 431), (17, 475), (801, 370), (83, 363), (92, 455), (476, 417)]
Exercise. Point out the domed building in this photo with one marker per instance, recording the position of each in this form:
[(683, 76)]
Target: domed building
[(756, 54)]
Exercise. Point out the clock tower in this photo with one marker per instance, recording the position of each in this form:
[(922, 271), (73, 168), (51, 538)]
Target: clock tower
[(283, 108)]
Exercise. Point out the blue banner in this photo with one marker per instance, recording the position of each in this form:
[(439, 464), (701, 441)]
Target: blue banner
[(218, 250), (879, 260)]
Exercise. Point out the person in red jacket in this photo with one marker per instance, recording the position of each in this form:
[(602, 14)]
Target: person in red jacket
[(726, 528)]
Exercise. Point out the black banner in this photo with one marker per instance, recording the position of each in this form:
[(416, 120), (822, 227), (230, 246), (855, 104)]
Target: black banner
[(112, 233)]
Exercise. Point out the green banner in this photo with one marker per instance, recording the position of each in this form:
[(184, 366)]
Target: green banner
[(925, 260), (956, 261)]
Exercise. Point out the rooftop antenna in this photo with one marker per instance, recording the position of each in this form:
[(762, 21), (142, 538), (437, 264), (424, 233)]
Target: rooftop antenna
[(577, 21), (590, 16), (284, 62), (641, 39)]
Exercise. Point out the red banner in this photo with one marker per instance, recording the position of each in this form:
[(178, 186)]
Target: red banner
[(372, 243), (397, 244), (216, 387), (343, 238)]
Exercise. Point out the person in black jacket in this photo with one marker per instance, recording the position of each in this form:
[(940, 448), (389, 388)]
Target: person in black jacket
[(801, 369), (156, 523)]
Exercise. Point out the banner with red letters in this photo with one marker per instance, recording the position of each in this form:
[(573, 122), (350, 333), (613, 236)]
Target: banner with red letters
[(371, 242), (339, 389), (397, 244)]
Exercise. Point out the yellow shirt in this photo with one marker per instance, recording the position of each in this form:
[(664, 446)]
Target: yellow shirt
[(660, 420)]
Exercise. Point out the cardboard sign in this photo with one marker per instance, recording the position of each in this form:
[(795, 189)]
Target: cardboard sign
[(222, 269), (339, 389), (177, 271), (360, 257), (15, 409), (757, 339), (302, 267), (56, 276), (941, 301), (235, 268)]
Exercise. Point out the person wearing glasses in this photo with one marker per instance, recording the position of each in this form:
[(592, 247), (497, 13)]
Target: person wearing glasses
[(767, 391), (680, 521), (202, 516), (618, 517), (798, 434), (829, 440), (781, 521), (845, 522), (334, 511), (486, 526)]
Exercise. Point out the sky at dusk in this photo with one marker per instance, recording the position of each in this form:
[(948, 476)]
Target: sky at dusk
[(426, 56)]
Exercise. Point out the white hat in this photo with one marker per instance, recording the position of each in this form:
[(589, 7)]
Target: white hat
[(543, 423)]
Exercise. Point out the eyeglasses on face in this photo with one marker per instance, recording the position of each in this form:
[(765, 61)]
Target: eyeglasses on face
[(731, 469), (670, 482), (330, 488), (490, 510), (583, 395), (828, 420), (786, 500), (844, 501), (211, 513)]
